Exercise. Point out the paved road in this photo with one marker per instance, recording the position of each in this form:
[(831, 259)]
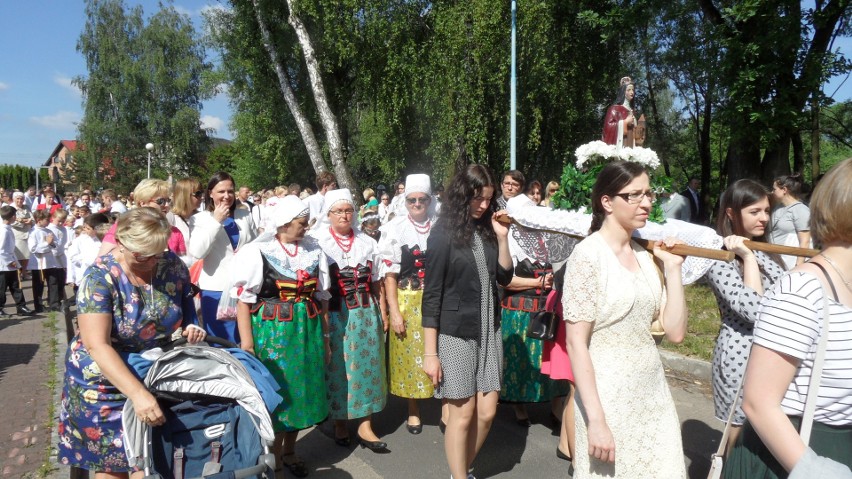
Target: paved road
[(509, 452)]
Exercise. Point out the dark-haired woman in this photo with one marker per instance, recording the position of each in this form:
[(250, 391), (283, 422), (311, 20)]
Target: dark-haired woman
[(215, 235), (790, 217), (626, 423), (739, 286), (468, 257), (619, 120)]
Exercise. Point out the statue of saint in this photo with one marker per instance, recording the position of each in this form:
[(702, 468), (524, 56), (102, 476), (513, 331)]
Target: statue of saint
[(620, 126)]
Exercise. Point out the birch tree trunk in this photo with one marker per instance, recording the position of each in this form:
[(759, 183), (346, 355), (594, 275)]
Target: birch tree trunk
[(327, 117), (305, 128)]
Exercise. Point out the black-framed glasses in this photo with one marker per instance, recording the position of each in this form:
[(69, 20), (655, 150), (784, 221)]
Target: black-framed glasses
[(198, 194), (423, 201), (637, 197), (163, 201)]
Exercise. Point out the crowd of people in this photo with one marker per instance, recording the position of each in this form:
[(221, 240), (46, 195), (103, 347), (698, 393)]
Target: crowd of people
[(429, 293)]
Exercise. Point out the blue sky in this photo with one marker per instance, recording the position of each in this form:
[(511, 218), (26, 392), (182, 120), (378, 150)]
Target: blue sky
[(38, 59), (38, 104)]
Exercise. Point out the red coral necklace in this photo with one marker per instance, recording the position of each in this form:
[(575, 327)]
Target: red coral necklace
[(422, 229), (345, 242), (295, 252)]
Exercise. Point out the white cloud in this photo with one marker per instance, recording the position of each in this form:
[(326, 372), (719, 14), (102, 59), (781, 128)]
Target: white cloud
[(184, 11), (62, 120), (4, 86), (65, 82), (214, 122)]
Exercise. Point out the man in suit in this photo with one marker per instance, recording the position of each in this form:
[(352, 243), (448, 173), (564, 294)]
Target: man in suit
[(692, 194)]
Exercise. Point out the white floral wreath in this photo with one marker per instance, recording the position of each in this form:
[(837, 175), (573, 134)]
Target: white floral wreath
[(598, 151)]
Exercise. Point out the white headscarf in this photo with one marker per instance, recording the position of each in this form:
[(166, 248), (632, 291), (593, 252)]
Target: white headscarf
[(332, 198), (418, 183), (288, 208)]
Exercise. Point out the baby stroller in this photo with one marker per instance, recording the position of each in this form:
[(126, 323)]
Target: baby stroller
[(217, 424)]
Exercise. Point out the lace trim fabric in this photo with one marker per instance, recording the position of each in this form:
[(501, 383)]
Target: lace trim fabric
[(577, 224)]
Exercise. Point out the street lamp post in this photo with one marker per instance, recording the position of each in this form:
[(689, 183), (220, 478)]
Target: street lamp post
[(150, 148)]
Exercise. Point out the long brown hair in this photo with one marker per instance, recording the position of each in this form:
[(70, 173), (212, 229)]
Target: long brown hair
[(741, 194)]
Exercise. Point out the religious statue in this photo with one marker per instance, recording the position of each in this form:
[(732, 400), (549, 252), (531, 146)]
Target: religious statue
[(620, 126)]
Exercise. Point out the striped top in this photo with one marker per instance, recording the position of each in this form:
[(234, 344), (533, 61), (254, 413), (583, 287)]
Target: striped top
[(789, 322)]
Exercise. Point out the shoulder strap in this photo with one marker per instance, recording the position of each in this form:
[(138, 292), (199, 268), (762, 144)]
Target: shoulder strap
[(816, 372), (723, 443), (827, 278)]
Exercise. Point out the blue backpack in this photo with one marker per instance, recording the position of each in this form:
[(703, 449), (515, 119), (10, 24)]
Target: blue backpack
[(204, 438)]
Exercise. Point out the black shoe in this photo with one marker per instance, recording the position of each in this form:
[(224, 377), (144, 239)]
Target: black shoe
[(24, 311), (372, 445), (562, 455), (442, 427), (414, 429), (343, 441), (4, 315), (38, 309)]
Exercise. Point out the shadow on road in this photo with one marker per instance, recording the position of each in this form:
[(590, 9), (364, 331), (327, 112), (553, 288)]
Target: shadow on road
[(14, 354), (699, 443)]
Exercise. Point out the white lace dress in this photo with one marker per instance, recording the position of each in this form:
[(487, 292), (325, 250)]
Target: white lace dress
[(631, 383)]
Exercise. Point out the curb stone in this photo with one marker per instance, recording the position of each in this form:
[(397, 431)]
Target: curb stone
[(694, 367)]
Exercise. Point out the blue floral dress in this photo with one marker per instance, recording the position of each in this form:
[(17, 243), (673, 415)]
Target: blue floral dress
[(90, 432)]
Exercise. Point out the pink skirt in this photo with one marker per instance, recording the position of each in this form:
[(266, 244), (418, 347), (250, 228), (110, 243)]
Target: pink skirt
[(554, 358)]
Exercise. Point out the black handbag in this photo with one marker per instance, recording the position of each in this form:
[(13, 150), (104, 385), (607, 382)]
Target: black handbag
[(543, 323)]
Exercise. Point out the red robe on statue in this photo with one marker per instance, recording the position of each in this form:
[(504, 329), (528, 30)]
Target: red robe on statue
[(615, 114)]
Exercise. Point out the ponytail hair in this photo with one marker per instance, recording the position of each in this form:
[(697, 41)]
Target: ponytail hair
[(613, 177), (794, 183)]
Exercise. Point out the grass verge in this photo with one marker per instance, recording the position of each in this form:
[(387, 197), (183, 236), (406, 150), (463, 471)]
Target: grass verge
[(702, 326), (51, 330)]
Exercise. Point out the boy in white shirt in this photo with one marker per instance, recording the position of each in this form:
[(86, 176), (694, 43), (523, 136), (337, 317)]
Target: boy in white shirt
[(9, 277), (43, 263), (84, 250), (57, 227)]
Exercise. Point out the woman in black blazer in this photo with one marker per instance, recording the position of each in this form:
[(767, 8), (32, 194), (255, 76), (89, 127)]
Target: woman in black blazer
[(468, 257)]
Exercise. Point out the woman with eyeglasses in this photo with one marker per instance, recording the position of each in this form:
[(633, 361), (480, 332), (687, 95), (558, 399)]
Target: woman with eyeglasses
[(404, 251), (155, 194), (463, 353), (357, 385), (215, 235), (186, 199), (129, 301), (626, 423)]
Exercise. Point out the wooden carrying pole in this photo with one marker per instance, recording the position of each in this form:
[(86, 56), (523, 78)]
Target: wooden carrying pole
[(686, 250)]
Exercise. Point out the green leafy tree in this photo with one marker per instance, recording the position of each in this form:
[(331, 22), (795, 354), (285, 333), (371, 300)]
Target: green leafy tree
[(144, 84)]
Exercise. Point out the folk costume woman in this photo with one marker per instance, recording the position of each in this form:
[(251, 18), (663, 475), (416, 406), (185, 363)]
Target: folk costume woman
[(357, 385), (403, 250), (619, 121), (523, 381), (282, 317)]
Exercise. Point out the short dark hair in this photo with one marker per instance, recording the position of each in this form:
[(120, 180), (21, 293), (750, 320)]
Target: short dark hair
[(7, 213), (517, 176), (97, 219)]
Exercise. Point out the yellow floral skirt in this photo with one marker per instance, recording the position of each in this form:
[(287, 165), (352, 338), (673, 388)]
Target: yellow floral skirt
[(407, 378)]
